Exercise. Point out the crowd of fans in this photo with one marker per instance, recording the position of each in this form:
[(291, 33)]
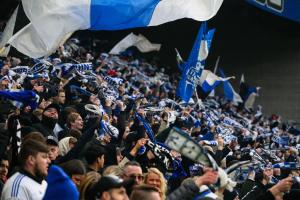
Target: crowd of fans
[(71, 128)]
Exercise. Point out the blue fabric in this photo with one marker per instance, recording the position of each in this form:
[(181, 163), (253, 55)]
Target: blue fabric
[(60, 186), (246, 90), (27, 97), (208, 136), (105, 15), (147, 128), (207, 87), (228, 90), (69, 67), (192, 69), (74, 89)]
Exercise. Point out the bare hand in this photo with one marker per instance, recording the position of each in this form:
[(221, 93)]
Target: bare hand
[(208, 178)]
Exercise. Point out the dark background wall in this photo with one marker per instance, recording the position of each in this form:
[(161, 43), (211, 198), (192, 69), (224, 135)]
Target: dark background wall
[(264, 47)]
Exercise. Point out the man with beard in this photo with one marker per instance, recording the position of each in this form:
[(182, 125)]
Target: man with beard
[(28, 182), (49, 119)]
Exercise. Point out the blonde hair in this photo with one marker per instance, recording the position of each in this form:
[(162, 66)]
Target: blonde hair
[(163, 186), (90, 179), (112, 170)]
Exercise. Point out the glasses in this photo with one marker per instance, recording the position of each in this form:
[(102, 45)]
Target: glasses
[(136, 176)]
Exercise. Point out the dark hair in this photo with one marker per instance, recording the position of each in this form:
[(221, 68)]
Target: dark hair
[(72, 167), (36, 136), (31, 148), (4, 157), (94, 152), (132, 163), (142, 192)]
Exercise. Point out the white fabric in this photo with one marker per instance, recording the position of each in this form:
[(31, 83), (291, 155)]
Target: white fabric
[(52, 22), (171, 10), (7, 33), (64, 145), (142, 43), (211, 78), (21, 187)]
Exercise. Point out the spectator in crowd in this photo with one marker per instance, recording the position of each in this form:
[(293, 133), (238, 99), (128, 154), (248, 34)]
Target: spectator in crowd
[(75, 169), (110, 187), (155, 178), (94, 156), (145, 192), (53, 148), (133, 170), (49, 120), (30, 182)]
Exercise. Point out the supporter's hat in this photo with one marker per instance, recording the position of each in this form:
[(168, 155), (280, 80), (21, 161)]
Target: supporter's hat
[(109, 182), (60, 186), (52, 140), (53, 105)]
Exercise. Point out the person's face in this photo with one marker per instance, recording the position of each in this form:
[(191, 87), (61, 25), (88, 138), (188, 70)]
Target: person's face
[(62, 98), (107, 138), (276, 171), (53, 151), (77, 124), (119, 157), (44, 104), (135, 172), (95, 100), (154, 180), (77, 178), (115, 194), (101, 161), (4, 164), (4, 82), (267, 174), (51, 113), (4, 69), (41, 164)]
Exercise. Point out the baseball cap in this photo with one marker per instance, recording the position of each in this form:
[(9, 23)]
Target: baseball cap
[(53, 105), (110, 182), (52, 140)]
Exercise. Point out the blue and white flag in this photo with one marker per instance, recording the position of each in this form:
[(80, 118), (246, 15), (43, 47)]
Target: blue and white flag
[(53, 21), (114, 81), (287, 165), (232, 122), (229, 92), (21, 69), (69, 67), (40, 66), (147, 127), (248, 93), (210, 81), (192, 69), (26, 97)]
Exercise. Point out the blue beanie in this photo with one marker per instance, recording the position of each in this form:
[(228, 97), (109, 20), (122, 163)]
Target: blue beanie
[(60, 186)]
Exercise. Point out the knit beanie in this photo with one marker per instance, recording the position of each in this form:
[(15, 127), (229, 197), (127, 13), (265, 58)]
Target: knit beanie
[(60, 186)]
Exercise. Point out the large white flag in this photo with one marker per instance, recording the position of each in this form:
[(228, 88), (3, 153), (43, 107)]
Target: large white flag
[(52, 21), (138, 41), (7, 33)]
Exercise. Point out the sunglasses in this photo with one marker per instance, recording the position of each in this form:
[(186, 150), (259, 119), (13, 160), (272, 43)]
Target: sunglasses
[(133, 176)]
